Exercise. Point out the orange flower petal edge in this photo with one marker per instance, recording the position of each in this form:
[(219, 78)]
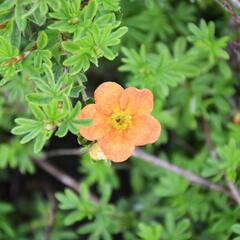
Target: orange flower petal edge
[(121, 120)]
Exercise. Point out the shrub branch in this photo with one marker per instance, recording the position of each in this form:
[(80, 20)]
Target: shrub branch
[(180, 171), (212, 150), (61, 176), (139, 153)]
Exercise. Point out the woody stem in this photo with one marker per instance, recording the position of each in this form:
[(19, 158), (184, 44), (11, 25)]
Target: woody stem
[(208, 139), (61, 176), (19, 58), (191, 177), (180, 171)]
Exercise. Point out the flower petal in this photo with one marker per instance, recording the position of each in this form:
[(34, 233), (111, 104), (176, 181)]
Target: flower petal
[(107, 97), (145, 129), (137, 101), (116, 145), (99, 125)]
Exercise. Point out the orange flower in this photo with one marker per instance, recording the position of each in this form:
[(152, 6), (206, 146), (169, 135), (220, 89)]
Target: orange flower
[(121, 120)]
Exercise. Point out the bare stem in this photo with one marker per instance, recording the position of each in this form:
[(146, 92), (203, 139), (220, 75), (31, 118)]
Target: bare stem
[(208, 139), (232, 187), (234, 192), (52, 215), (22, 56), (61, 176), (195, 179), (228, 7), (180, 171), (236, 3), (66, 152), (3, 25)]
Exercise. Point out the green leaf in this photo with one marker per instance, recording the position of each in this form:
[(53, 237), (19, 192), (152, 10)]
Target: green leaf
[(19, 12), (42, 40), (236, 228), (49, 74), (73, 217), (71, 46), (76, 110), (150, 231), (31, 135), (90, 10), (39, 142), (118, 34), (38, 98), (62, 130), (68, 200), (84, 122), (37, 112)]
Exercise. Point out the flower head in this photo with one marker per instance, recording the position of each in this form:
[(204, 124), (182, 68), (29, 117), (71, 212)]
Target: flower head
[(121, 120)]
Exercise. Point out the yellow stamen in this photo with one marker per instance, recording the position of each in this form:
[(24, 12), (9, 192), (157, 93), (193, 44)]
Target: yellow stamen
[(121, 120)]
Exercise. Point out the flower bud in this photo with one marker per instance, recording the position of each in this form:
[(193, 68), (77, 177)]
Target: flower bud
[(96, 153), (236, 118)]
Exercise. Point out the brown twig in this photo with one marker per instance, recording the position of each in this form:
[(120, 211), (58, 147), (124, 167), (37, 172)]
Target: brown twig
[(3, 25), (234, 192), (208, 139), (66, 152), (19, 58), (180, 171), (83, 92), (228, 7), (58, 174), (191, 177), (236, 3), (61, 176), (232, 187), (195, 179), (52, 214)]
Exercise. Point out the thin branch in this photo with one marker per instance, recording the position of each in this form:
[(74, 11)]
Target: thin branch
[(61, 176), (58, 174), (236, 3), (65, 152), (208, 139), (22, 56), (193, 178), (228, 7), (234, 192), (180, 171), (3, 25), (232, 187), (83, 92), (165, 165), (52, 214)]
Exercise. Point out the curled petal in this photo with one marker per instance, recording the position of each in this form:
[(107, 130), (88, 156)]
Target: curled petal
[(145, 129), (137, 101), (116, 146), (99, 124), (107, 97)]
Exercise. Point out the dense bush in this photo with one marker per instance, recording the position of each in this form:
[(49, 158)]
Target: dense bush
[(54, 54)]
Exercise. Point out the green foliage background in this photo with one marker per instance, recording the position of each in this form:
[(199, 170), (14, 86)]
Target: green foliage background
[(53, 53)]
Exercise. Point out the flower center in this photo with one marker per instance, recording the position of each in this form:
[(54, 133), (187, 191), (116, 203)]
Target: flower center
[(121, 120)]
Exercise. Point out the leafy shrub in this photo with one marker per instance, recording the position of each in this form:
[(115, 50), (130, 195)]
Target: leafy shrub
[(53, 54)]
